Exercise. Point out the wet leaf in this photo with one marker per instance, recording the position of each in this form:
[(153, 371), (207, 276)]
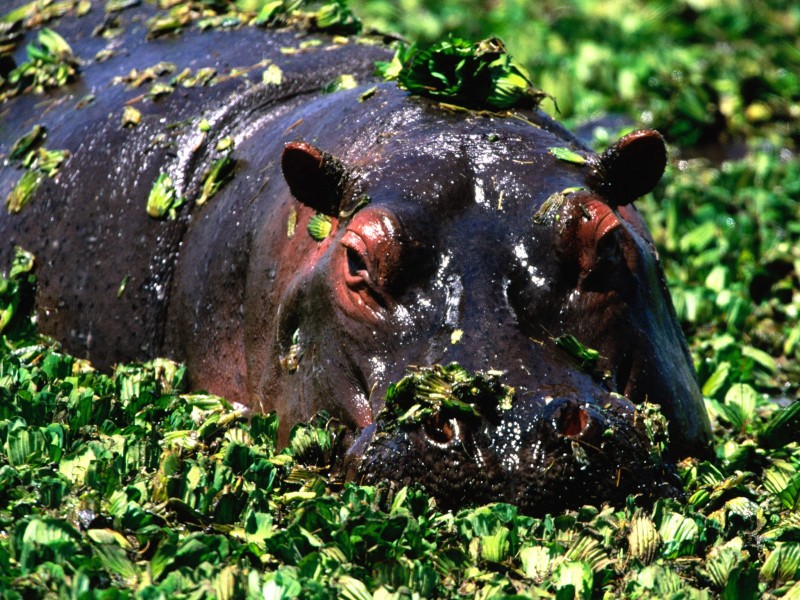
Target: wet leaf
[(163, 200), (567, 155), (273, 75), (341, 82), (220, 173), (782, 564), (319, 227), (27, 142), (480, 75), (643, 539), (23, 191), (586, 357), (131, 116)]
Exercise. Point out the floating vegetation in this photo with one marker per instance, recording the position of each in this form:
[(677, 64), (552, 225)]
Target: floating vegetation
[(427, 391)]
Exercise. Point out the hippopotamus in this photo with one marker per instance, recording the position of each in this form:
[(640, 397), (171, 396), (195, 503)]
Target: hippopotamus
[(361, 232)]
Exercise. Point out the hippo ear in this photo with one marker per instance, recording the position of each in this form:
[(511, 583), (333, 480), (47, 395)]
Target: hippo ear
[(630, 168), (315, 178)]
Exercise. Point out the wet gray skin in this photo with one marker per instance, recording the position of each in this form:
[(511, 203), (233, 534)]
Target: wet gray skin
[(452, 258)]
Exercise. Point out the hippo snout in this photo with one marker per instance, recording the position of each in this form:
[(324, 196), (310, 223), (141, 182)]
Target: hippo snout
[(542, 452)]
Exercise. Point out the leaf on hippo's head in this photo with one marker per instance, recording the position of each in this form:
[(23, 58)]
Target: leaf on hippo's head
[(567, 155), (480, 75), (319, 226)]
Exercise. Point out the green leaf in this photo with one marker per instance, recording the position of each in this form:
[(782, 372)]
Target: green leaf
[(273, 75), (567, 155), (27, 142), (679, 534), (643, 539), (340, 82), (480, 75), (220, 173), (21, 194), (586, 357), (163, 200), (319, 226), (717, 379), (740, 405), (782, 564), (576, 575), (131, 116)]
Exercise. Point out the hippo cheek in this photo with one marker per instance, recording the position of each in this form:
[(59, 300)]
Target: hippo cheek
[(621, 308), (543, 455)]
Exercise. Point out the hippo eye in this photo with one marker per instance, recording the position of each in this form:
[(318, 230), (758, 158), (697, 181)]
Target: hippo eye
[(356, 265), (356, 255), (601, 264), (608, 252)]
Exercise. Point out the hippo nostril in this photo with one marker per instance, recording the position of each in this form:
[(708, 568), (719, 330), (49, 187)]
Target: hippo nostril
[(573, 420), (441, 430)]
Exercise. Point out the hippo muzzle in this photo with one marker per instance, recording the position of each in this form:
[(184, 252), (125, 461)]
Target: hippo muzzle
[(541, 452)]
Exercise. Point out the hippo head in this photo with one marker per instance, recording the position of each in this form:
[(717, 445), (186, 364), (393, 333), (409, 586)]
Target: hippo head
[(471, 239)]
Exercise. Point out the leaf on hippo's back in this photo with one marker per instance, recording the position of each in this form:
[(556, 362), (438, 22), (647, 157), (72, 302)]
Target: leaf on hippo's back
[(55, 45), (220, 173), (332, 17), (157, 90), (224, 144), (389, 71), (273, 75), (23, 263), (49, 161), (120, 5), (567, 155), (131, 116), (163, 200), (345, 81), (319, 226), (27, 142), (368, 94), (202, 77), (21, 194)]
